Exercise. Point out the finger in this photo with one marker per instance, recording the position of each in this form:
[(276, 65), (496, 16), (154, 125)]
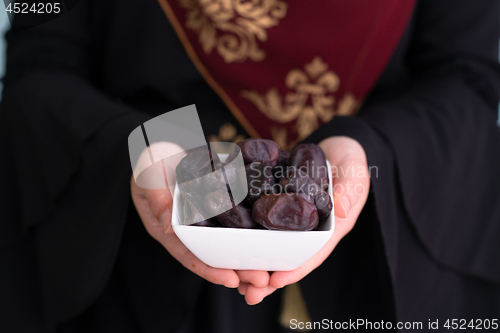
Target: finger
[(257, 278), (151, 223), (160, 205), (255, 295), (225, 277), (280, 279), (242, 288), (151, 182)]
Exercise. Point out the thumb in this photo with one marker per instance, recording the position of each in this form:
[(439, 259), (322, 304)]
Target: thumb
[(350, 177), (153, 180), (350, 184), (160, 205), (152, 196)]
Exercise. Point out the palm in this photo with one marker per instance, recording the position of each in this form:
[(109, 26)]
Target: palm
[(155, 209), (343, 153)]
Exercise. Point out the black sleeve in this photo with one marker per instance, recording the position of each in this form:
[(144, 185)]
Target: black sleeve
[(434, 139), (70, 149)]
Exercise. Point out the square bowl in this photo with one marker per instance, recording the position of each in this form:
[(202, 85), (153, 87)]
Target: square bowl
[(252, 249)]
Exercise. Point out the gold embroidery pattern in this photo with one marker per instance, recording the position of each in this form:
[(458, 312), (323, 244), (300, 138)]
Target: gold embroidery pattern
[(227, 133), (311, 99), (232, 26)]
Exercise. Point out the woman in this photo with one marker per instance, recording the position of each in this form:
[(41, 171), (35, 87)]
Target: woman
[(424, 228)]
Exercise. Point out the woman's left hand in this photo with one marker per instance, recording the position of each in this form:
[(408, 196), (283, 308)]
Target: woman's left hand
[(351, 184)]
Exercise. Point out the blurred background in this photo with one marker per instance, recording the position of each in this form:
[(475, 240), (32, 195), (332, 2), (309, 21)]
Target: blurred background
[(4, 26)]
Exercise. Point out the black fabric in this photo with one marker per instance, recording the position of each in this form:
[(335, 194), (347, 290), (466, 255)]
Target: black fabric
[(435, 142), (442, 131), (425, 246), (354, 281)]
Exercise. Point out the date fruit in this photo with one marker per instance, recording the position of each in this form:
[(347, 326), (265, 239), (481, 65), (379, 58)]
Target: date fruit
[(298, 181), (192, 213), (215, 181), (197, 163), (284, 158), (218, 202), (191, 194), (286, 212), (263, 150), (237, 217), (224, 172), (324, 204), (260, 181), (311, 159), (207, 223), (280, 169), (286, 191)]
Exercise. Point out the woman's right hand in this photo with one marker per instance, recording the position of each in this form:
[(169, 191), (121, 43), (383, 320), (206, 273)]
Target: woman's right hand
[(155, 209)]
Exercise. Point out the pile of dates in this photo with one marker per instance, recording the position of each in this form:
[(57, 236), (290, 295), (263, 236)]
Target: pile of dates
[(286, 190)]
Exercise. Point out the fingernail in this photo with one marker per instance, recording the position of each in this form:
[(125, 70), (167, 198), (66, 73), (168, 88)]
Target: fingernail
[(346, 205)]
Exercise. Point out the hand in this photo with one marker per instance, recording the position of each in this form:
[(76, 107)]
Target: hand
[(351, 184), (155, 209)]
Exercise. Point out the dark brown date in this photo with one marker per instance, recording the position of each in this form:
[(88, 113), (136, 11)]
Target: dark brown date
[(311, 159), (207, 223), (190, 171), (301, 174), (217, 202), (191, 189), (286, 212), (263, 150), (281, 167), (197, 163), (324, 204), (235, 174), (192, 213), (237, 217), (284, 158), (298, 181), (191, 194), (260, 181), (215, 181)]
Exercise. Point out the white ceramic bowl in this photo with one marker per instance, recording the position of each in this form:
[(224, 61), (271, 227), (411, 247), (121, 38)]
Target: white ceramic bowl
[(251, 249)]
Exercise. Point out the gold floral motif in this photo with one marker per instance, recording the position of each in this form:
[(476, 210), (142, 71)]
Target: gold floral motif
[(227, 133), (279, 135), (232, 26), (310, 100)]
